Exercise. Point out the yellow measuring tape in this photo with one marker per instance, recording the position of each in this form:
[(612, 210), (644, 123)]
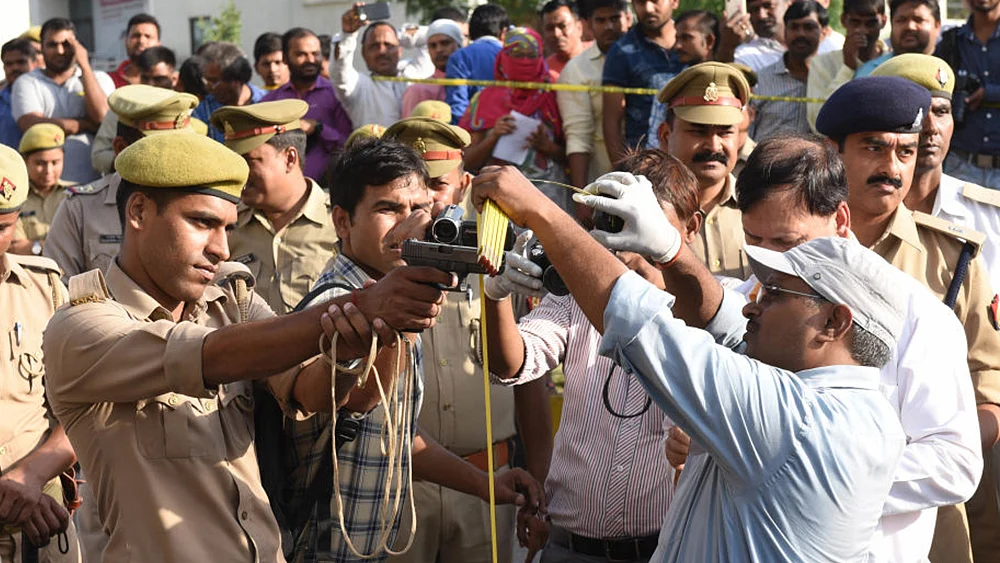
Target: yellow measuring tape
[(550, 87)]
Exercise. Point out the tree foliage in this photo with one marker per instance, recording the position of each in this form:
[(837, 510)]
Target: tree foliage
[(227, 26)]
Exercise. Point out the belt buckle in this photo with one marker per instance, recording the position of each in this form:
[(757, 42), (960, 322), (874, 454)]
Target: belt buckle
[(612, 557), (984, 161)]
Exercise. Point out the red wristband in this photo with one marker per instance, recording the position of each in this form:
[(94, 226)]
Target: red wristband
[(354, 298)]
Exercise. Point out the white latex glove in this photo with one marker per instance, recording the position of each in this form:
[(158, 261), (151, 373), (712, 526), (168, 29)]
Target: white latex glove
[(520, 275), (646, 230)]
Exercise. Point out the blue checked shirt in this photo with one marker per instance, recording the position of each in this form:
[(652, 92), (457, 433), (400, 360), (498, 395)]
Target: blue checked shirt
[(363, 468), (981, 131), (783, 466)]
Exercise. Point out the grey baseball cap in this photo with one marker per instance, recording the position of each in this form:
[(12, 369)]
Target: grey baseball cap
[(844, 273)]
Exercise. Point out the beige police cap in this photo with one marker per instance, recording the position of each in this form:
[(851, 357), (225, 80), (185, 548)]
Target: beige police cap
[(926, 70), (248, 127), (708, 93), (13, 180), (34, 33), (152, 110), (435, 109), (438, 143), (183, 161), (40, 137), (369, 131)]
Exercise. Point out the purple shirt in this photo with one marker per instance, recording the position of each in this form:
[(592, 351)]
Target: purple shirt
[(323, 108)]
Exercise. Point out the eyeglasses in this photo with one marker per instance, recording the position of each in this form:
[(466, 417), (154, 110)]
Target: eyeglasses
[(767, 288)]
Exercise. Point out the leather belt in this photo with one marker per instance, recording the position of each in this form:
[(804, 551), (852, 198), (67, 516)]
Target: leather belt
[(980, 160), (503, 452), (620, 550)]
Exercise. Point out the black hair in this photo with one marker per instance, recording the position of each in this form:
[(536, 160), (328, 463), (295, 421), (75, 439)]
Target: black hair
[(553, 5), (160, 197), (588, 7), (265, 44), (864, 7), (192, 76), (128, 133), (56, 24), (375, 24), (672, 182), (325, 42), (371, 162), (488, 19), (154, 56), (292, 35), (231, 60), (802, 8), (708, 23), (295, 138), (22, 45), (450, 13), (140, 19), (932, 5), (805, 164)]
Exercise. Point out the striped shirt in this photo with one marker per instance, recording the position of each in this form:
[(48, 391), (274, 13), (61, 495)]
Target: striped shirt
[(609, 477), (363, 468), (778, 117)]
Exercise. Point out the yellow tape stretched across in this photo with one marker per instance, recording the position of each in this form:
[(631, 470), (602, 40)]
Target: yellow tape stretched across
[(550, 87)]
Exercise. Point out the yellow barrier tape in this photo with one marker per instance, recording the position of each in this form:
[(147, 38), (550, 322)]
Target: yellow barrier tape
[(550, 87)]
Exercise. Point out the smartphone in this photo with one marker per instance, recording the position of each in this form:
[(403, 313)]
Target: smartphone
[(374, 12), (734, 7)]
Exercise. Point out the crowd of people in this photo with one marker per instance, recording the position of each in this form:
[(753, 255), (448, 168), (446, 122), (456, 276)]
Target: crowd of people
[(769, 289)]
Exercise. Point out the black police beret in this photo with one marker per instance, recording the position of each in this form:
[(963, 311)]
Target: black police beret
[(874, 103)]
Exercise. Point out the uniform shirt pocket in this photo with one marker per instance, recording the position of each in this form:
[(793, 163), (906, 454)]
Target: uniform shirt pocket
[(174, 426)]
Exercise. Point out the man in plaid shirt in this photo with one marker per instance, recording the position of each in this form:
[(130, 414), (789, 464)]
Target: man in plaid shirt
[(380, 199)]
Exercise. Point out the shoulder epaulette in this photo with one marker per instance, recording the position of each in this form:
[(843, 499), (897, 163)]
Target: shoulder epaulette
[(38, 263), (943, 226), (981, 194), (88, 189), (88, 287)]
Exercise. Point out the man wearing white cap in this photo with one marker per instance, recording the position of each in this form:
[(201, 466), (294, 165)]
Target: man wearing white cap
[(444, 37), (798, 445)]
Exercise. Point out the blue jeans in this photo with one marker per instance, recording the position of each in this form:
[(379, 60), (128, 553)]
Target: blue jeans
[(965, 170)]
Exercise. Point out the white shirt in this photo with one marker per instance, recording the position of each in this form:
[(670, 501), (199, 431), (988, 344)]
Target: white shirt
[(969, 205), (928, 384), (365, 100), (759, 52), (832, 42)]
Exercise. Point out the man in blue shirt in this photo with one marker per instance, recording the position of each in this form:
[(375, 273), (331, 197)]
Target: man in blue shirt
[(643, 58), (798, 447), (476, 61), (19, 57), (973, 50)]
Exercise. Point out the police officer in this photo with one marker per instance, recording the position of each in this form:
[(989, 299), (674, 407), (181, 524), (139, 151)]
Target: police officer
[(85, 232), (284, 232), (452, 524), (42, 149), (34, 450), (705, 106), (154, 387), (875, 122)]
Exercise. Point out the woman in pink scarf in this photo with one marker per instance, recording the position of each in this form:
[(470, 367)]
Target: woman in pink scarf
[(488, 116)]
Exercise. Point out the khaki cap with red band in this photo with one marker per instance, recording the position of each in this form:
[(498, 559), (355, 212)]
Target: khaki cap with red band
[(152, 110), (708, 93), (245, 128), (438, 143)]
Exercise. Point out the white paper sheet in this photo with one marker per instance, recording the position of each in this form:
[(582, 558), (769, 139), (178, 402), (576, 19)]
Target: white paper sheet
[(514, 147)]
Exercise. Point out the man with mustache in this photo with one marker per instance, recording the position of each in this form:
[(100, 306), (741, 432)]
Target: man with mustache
[(18, 56), (643, 58), (141, 33), (582, 112), (704, 109), (326, 123), (963, 203), (916, 26), (768, 19), (804, 23), (880, 165), (562, 31), (444, 37), (66, 92), (368, 101), (227, 74)]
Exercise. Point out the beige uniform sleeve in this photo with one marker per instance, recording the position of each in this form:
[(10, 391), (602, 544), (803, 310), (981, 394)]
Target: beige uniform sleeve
[(64, 243), (984, 340), (102, 153), (94, 353)]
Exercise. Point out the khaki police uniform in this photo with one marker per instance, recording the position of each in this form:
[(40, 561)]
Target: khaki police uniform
[(171, 462), (38, 210), (30, 292), (287, 262), (714, 94), (454, 527)]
